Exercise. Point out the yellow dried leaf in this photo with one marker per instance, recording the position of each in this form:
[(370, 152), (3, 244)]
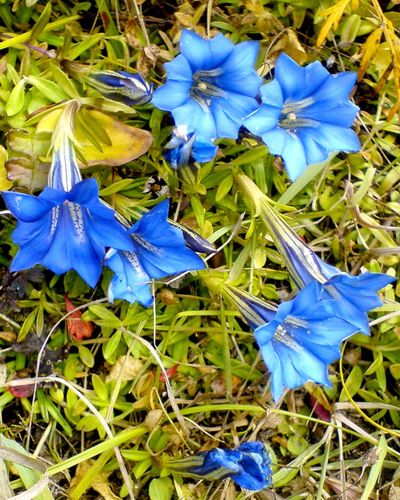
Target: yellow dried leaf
[(369, 49), (5, 184), (127, 143), (334, 14)]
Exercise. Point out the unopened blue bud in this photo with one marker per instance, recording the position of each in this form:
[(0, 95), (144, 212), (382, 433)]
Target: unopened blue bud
[(131, 89)]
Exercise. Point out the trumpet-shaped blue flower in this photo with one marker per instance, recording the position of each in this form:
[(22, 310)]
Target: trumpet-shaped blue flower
[(65, 230), (306, 114), (248, 465), (183, 149), (299, 338), (66, 226), (158, 251), (356, 295), (211, 85)]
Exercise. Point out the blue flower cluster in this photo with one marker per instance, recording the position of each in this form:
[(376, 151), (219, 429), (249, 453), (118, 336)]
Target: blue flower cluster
[(212, 90), (68, 227)]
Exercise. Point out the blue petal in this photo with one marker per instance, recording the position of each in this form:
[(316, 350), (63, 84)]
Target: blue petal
[(314, 152), (227, 125), (315, 76), (238, 73), (346, 310), (86, 193), (265, 333), (26, 207), (271, 94), (361, 290), (335, 138), (342, 114), (34, 242), (336, 88), (196, 118), (290, 76), (161, 260), (204, 151), (71, 248), (160, 246), (292, 368), (242, 59), (294, 156), (108, 233), (171, 95), (236, 105), (130, 282), (263, 120), (179, 70), (204, 54), (275, 139)]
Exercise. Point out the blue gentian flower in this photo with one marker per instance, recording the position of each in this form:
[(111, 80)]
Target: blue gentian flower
[(66, 226), (248, 465), (356, 295), (130, 88), (183, 149), (159, 250), (211, 85), (306, 114), (299, 338)]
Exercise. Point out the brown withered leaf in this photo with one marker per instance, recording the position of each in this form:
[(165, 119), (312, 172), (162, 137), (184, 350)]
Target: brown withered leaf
[(27, 163), (147, 59)]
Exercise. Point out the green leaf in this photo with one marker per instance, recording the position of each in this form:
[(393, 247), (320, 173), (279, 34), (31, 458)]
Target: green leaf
[(376, 469), (250, 155), (30, 469), (63, 81), (110, 348), (25, 37), (121, 185), (353, 383), (41, 23), (27, 325), (161, 489), (297, 445), (99, 387), (88, 423), (350, 29), (16, 101), (86, 356), (104, 313), (376, 364), (224, 188), (49, 89)]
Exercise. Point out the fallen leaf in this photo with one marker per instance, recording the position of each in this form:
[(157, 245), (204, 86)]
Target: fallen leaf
[(125, 368)]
